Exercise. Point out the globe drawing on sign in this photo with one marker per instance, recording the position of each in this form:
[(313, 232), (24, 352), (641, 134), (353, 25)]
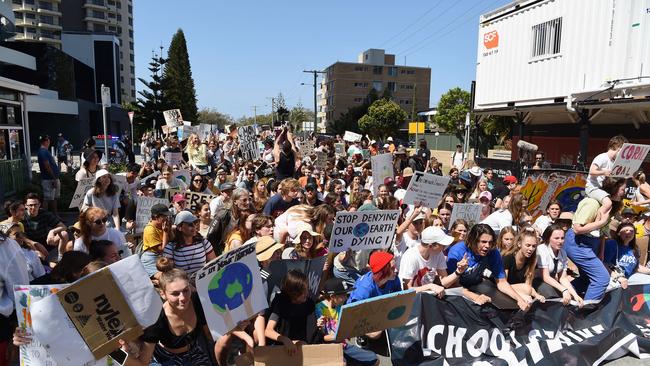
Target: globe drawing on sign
[(230, 287), (396, 313), (361, 230)]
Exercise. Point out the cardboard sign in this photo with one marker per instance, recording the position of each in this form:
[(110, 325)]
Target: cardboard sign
[(363, 230), (183, 175), (426, 189), (374, 314), (307, 148), (143, 211), (230, 289), (313, 268), (173, 158), (312, 355), (167, 129), (382, 168), (321, 160), (173, 117), (83, 186), (204, 130), (629, 159), (119, 180), (185, 130), (248, 143), (264, 170), (469, 212), (194, 200), (339, 148), (352, 136)]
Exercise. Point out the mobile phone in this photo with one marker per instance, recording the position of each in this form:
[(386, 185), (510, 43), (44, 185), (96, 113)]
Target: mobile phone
[(119, 356)]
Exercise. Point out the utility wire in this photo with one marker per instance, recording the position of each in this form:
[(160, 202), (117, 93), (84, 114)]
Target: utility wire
[(411, 24)]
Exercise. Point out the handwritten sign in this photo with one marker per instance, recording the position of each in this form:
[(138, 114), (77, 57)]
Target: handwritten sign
[(629, 159), (426, 189), (83, 186), (352, 136), (382, 168), (469, 212), (313, 268), (363, 230), (173, 158), (321, 160), (248, 143), (307, 148), (173, 117), (339, 148), (143, 211), (230, 289), (194, 200)]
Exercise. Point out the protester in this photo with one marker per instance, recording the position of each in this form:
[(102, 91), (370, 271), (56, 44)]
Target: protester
[(304, 246), (205, 218), (600, 168), (90, 165), (104, 195), (44, 227), (103, 250), (93, 227), (284, 199), (553, 210), (188, 249), (225, 219), (520, 265), (642, 194), (621, 255), (49, 174), (156, 235), (168, 181), (197, 154)]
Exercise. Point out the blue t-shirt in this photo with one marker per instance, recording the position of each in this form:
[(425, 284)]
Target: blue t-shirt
[(366, 288), (43, 156), (620, 255), (276, 206), (456, 253)]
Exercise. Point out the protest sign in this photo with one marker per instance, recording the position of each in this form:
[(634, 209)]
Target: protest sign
[(61, 323), (248, 143), (363, 230), (352, 136), (83, 186), (204, 130), (426, 189), (183, 175), (321, 160), (143, 211), (119, 180), (544, 186), (193, 200), (264, 170), (377, 313), (173, 117), (173, 158), (307, 354), (307, 148), (230, 289), (382, 168), (629, 159), (469, 212), (339, 148), (185, 130), (313, 268)]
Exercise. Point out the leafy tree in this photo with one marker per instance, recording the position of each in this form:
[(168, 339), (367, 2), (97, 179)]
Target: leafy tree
[(452, 109), (300, 114), (179, 84), (262, 119), (152, 101), (383, 118), (214, 117)]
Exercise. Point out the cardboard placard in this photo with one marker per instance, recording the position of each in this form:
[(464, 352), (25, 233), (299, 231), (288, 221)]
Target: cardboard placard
[(248, 143), (307, 148), (321, 160), (308, 354), (352, 136), (382, 168), (100, 312), (374, 314), (363, 230), (426, 189), (167, 129), (173, 158), (183, 175), (119, 180), (173, 117), (469, 212), (185, 130), (629, 159), (194, 199), (313, 268), (143, 211), (83, 186), (339, 148), (204, 130), (230, 288), (264, 170)]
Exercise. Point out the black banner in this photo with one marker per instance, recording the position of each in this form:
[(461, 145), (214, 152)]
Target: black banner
[(313, 268), (455, 331)]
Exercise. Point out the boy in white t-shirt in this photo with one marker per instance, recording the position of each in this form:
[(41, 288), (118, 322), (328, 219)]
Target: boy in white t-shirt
[(600, 168)]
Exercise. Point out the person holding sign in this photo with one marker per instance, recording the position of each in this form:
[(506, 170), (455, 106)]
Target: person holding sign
[(90, 165), (197, 154), (600, 168)]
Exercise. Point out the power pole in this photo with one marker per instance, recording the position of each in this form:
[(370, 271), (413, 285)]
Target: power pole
[(315, 72), (272, 110), (255, 112), (414, 115)]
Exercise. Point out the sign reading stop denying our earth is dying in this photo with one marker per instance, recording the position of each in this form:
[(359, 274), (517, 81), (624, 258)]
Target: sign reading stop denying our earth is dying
[(230, 289), (363, 230)]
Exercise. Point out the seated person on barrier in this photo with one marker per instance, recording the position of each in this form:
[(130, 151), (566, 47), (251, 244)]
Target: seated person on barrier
[(519, 262), (622, 256)]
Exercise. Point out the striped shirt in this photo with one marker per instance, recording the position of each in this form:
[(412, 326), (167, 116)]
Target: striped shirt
[(191, 257)]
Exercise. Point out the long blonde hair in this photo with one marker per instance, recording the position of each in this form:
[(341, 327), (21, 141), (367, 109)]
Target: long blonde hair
[(531, 263)]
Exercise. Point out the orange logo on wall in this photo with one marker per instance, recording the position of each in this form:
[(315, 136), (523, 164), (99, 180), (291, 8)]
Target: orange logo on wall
[(491, 39)]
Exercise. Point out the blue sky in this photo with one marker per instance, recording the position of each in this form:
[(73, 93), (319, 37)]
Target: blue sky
[(242, 52)]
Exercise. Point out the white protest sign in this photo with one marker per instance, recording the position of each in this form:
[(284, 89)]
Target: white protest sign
[(193, 200), (382, 168), (469, 212), (120, 180), (230, 289), (183, 175), (629, 159), (173, 158), (363, 230), (204, 130), (83, 186), (173, 117), (426, 189), (143, 211), (184, 131), (352, 136), (248, 143)]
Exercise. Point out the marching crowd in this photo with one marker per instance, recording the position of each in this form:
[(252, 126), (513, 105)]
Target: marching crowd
[(285, 203)]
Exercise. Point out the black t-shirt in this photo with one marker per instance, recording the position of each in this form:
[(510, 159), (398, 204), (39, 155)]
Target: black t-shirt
[(514, 275), (500, 191), (37, 228), (286, 166), (295, 321), (161, 330)]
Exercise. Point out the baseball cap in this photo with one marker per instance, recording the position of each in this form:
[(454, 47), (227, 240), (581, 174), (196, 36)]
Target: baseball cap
[(226, 186), (435, 235), (379, 260), (303, 227), (178, 197), (184, 217), (160, 209), (100, 173), (388, 180), (336, 286), (265, 247), (390, 139), (486, 194), (509, 179)]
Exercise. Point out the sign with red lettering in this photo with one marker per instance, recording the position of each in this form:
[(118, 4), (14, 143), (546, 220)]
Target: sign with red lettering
[(629, 159)]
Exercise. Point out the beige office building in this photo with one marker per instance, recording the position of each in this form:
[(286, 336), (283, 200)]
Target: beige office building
[(44, 21), (347, 84)]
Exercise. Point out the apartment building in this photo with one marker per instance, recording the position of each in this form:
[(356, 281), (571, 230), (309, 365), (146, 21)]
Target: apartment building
[(43, 21), (347, 84)]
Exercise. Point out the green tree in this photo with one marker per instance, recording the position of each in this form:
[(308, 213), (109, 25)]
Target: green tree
[(262, 119), (152, 101), (179, 84), (452, 109), (300, 114), (213, 117), (383, 118)]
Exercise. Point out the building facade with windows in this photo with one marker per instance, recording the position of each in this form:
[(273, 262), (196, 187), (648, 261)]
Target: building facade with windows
[(347, 84)]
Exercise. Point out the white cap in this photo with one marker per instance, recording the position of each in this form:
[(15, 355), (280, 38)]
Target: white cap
[(435, 235), (389, 139), (100, 173)]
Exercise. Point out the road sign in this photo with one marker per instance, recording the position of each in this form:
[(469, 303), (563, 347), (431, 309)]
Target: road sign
[(106, 96)]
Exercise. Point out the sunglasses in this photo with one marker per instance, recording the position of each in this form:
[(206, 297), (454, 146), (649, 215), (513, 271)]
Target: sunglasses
[(198, 180), (101, 221)]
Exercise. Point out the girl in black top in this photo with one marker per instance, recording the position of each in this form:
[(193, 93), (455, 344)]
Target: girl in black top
[(519, 264)]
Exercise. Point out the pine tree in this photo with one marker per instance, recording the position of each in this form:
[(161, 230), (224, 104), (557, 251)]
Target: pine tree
[(178, 82), (152, 102)]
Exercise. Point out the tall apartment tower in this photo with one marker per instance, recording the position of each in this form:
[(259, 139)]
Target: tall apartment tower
[(347, 84), (44, 20)]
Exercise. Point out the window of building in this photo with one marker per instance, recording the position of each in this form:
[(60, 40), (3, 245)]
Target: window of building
[(132, 93), (406, 86), (132, 58), (377, 85), (99, 28), (377, 70), (546, 38), (20, 30), (30, 15), (132, 70), (130, 9), (131, 46), (121, 67), (360, 85), (130, 21), (392, 71), (18, 2), (111, 15), (130, 33), (31, 30), (404, 101), (132, 82), (111, 28), (391, 86), (122, 79), (45, 5), (410, 72), (119, 17), (111, 2), (46, 19), (99, 14), (30, 2), (358, 100), (119, 5), (119, 30)]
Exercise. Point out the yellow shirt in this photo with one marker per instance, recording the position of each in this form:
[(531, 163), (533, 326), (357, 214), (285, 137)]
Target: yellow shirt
[(198, 156), (152, 238), (21, 228), (235, 235)]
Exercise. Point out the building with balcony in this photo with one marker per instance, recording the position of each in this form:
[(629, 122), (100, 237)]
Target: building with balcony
[(38, 21), (347, 84)]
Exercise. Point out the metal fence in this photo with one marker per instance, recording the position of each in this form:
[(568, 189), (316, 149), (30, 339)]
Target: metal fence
[(13, 176)]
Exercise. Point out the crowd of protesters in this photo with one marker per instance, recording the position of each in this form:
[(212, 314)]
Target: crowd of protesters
[(285, 203)]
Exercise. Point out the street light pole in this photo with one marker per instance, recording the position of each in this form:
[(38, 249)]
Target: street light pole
[(315, 72)]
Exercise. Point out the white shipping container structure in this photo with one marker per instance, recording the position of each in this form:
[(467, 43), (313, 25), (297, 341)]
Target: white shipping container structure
[(551, 57)]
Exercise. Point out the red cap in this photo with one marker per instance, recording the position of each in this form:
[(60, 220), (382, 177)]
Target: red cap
[(379, 260), (388, 180), (509, 179), (178, 197)]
